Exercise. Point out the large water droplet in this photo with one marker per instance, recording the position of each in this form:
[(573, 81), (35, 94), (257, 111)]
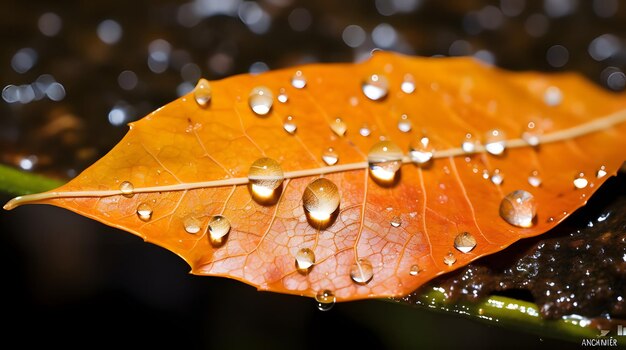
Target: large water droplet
[(404, 123), (338, 126), (265, 176), (385, 159), (321, 199), (495, 142), (298, 80), (464, 242), (203, 93), (282, 96), (414, 270), (408, 84), (261, 100), (531, 134), (449, 259), (330, 156), (305, 259), (127, 189), (362, 271), (396, 221), (518, 208), (219, 226), (534, 179), (191, 224), (553, 96), (375, 87), (601, 172), (580, 181), (289, 124), (365, 130), (421, 150), (469, 143), (325, 299), (497, 178), (144, 211)]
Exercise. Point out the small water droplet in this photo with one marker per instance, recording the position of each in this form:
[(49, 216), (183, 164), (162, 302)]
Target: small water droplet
[(421, 150), (495, 143), (289, 124), (534, 179), (396, 221), (305, 259), (325, 299), (375, 87), (469, 143), (298, 80), (580, 181), (282, 96), (219, 226), (464, 242), (339, 127), (127, 189), (321, 199), (408, 84), (144, 211), (261, 100), (531, 134), (497, 178), (365, 130), (449, 259), (553, 96), (385, 159), (265, 176), (330, 156), (550, 219), (191, 224), (203, 93), (362, 272), (601, 172), (404, 123), (414, 270), (518, 208)]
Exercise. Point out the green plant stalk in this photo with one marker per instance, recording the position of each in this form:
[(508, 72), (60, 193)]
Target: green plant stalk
[(18, 182)]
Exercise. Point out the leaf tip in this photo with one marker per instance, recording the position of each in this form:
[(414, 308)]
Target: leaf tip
[(12, 204)]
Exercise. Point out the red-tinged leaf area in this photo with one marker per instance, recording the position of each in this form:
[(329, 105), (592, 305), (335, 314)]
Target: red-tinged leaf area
[(180, 175)]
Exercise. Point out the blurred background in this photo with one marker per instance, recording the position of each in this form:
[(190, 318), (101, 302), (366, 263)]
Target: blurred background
[(74, 73)]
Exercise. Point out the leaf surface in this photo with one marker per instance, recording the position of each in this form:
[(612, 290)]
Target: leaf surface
[(187, 161)]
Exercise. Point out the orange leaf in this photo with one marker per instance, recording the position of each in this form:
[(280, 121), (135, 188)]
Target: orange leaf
[(179, 178)]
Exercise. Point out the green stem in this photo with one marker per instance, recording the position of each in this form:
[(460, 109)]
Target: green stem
[(18, 182)]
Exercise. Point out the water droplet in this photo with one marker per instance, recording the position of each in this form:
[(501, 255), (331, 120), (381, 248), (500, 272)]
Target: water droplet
[(404, 123), (219, 226), (261, 100), (282, 96), (601, 172), (553, 96), (127, 189), (531, 134), (375, 87), (144, 211), (298, 80), (469, 143), (289, 124), (339, 127), (550, 219), (518, 208), (464, 242), (192, 224), (497, 178), (325, 299), (396, 221), (305, 259), (534, 179), (420, 150), (449, 259), (385, 159), (580, 181), (495, 143), (414, 270), (365, 130), (408, 84), (362, 271), (330, 156), (265, 176), (321, 199), (203, 93)]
